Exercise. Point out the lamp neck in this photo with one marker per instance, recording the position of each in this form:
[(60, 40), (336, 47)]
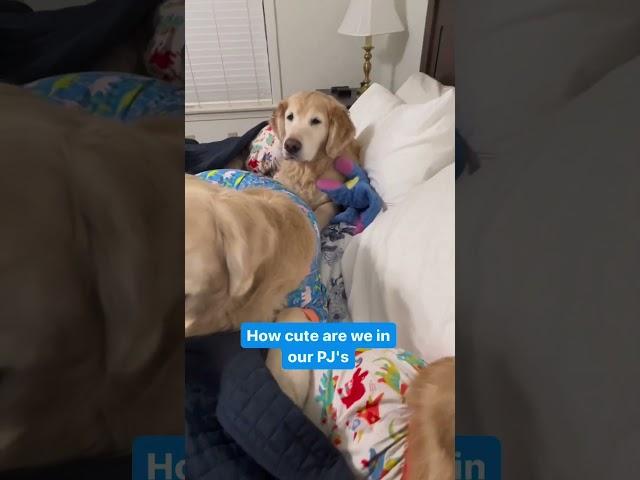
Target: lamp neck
[(368, 46)]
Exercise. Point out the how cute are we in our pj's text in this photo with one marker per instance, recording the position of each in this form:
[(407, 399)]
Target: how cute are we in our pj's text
[(318, 345)]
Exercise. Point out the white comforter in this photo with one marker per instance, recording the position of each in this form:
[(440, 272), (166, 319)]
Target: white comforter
[(402, 268)]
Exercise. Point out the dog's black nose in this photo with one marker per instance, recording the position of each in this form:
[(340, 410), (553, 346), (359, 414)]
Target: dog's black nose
[(292, 146)]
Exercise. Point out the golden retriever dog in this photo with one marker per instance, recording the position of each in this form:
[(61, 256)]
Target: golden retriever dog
[(431, 398), (91, 339), (244, 252), (313, 129)]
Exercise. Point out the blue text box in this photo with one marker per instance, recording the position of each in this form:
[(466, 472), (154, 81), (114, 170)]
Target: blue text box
[(318, 345), (159, 457), (478, 457)]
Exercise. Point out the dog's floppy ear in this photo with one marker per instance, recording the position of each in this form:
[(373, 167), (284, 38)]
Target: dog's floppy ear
[(341, 130), (277, 119)]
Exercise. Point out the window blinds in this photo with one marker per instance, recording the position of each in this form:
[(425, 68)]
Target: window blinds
[(227, 62)]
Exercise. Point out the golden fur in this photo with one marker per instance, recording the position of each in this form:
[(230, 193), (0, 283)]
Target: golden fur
[(91, 345), (321, 142), (244, 252), (431, 398)]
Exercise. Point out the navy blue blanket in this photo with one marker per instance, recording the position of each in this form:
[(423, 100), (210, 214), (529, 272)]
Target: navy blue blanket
[(200, 157), (211, 452), (241, 426)]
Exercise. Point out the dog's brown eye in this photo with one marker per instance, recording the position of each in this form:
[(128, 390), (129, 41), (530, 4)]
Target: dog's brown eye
[(315, 121), (290, 116)]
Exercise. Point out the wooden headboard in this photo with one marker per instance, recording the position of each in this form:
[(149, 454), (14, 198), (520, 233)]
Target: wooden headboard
[(437, 48)]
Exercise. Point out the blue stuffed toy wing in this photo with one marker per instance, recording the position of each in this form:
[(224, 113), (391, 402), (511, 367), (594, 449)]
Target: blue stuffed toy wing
[(360, 201)]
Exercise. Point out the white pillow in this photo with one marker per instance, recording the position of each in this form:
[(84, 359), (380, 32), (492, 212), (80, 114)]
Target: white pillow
[(402, 268), (408, 144), (371, 106), (421, 88)]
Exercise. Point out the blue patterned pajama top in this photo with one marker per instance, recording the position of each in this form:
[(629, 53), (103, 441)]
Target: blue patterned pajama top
[(311, 294), (122, 96)]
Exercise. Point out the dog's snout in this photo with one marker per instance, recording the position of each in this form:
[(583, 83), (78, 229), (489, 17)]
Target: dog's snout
[(292, 146)]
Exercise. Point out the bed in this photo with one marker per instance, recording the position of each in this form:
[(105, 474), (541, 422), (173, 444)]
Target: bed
[(401, 268)]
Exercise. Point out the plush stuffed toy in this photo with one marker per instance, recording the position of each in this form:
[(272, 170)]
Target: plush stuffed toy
[(362, 203)]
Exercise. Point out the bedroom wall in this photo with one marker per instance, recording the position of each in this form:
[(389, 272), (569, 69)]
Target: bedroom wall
[(314, 55)]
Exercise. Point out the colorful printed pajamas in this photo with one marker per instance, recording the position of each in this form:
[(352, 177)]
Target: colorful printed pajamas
[(265, 153), (310, 295), (164, 57), (122, 96), (363, 410)]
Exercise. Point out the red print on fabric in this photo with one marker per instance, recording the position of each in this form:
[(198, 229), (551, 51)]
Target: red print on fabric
[(253, 164), (355, 389), (162, 59), (371, 411)]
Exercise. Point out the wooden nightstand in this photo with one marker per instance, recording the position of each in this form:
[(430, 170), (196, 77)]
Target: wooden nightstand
[(346, 101)]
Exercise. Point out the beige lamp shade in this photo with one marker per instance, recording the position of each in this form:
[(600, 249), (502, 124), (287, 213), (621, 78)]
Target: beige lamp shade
[(370, 17)]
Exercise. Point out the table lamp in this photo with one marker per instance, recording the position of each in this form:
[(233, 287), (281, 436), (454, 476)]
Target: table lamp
[(365, 18)]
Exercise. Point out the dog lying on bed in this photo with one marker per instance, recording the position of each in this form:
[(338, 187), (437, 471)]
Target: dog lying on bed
[(248, 244), (246, 251), (305, 135)]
